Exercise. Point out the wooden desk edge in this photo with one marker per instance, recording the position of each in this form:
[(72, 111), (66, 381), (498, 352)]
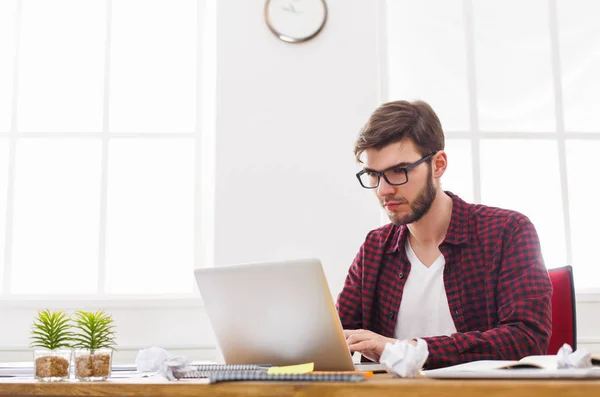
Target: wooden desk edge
[(380, 385)]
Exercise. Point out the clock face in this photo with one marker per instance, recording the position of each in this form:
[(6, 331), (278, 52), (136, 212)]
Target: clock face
[(295, 21)]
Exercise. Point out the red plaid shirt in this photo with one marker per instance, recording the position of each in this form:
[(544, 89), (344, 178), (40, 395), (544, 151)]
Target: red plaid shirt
[(496, 282)]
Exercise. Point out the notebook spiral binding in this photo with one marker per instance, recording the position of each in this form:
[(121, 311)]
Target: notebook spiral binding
[(229, 367), (263, 376), (205, 370)]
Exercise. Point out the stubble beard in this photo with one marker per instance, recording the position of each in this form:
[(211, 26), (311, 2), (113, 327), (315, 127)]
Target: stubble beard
[(420, 206)]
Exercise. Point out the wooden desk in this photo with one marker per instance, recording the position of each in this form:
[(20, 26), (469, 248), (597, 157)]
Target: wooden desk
[(380, 385)]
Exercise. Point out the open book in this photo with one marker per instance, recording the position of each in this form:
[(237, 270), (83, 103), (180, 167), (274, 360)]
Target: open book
[(527, 367)]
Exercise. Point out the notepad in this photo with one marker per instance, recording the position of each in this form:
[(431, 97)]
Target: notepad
[(292, 369)]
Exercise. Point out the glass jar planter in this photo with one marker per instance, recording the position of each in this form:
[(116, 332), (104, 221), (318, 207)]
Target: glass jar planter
[(92, 365), (51, 365)]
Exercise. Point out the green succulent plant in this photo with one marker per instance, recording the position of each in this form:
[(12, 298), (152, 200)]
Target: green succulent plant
[(93, 330), (50, 330)]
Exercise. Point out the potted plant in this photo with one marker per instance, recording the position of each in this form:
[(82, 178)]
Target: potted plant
[(50, 332), (94, 340)]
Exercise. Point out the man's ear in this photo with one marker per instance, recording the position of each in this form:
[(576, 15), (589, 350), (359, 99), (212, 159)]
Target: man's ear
[(439, 164)]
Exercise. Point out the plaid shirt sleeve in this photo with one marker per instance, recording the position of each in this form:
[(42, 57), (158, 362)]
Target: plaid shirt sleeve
[(349, 300), (523, 298)]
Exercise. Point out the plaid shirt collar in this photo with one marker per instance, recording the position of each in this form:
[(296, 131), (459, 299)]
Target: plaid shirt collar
[(458, 230)]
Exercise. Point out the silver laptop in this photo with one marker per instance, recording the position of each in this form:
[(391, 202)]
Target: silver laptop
[(278, 313)]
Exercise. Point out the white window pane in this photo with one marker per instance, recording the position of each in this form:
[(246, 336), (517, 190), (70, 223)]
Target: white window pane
[(583, 204), (459, 175), (513, 68), (149, 239), (153, 66), (61, 73), (3, 186), (523, 175), (579, 35), (8, 12), (56, 216), (427, 58)]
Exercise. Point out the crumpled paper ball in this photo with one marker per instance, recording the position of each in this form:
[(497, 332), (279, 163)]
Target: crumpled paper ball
[(158, 360), (403, 359), (567, 358)]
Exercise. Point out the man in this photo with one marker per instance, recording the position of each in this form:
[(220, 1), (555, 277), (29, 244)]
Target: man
[(468, 279)]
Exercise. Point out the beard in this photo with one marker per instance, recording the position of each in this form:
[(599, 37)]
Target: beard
[(418, 208)]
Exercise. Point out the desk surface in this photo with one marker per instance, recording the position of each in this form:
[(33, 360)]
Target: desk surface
[(380, 385)]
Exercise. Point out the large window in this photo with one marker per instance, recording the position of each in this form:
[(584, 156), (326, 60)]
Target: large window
[(517, 87), (100, 121)]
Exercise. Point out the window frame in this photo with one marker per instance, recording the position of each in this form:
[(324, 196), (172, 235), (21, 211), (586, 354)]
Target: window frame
[(474, 135), (203, 222)]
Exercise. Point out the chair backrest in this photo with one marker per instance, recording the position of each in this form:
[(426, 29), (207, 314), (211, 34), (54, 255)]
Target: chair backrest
[(564, 317)]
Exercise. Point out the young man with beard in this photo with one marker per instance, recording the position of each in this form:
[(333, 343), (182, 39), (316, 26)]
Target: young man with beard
[(468, 279)]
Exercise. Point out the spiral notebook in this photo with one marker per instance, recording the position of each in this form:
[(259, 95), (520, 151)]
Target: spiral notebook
[(261, 375), (255, 372)]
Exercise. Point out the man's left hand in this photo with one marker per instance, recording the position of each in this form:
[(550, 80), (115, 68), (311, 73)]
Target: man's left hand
[(367, 343)]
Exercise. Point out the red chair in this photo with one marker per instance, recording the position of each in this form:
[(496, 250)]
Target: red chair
[(564, 316)]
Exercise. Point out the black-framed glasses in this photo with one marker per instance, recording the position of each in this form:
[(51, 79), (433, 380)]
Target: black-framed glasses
[(394, 176)]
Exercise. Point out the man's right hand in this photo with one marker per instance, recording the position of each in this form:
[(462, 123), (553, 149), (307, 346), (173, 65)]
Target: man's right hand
[(367, 343)]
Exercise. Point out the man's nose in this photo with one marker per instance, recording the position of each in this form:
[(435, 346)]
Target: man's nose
[(384, 188)]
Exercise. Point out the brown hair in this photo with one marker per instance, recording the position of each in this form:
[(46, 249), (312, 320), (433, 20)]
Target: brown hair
[(399, 120)]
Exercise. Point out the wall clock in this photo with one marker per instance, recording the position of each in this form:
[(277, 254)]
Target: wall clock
[(295, 21)]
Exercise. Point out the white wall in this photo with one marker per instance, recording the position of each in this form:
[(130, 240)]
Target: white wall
[(287, 116)]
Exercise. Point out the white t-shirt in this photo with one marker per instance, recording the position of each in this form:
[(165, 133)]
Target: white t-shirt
[(424, 308)]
